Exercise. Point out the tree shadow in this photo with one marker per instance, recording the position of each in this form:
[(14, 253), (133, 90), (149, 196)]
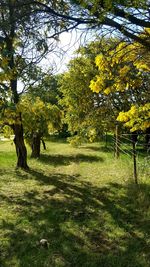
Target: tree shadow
[(100, 148), (2, 172), (66, 160), (57, 139), (85, 225)]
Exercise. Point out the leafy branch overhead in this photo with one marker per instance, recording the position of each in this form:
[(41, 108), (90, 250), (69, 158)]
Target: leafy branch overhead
[(128, 18)]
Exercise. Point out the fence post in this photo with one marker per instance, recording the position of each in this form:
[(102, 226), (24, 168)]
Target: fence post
[(116, 143), (134, 139), (106, 139)]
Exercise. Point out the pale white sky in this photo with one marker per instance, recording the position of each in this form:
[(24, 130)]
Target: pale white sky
[(56, 61), (68, 43)]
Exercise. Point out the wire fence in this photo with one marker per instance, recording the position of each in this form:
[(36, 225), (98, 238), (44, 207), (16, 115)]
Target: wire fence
[(135, 147)]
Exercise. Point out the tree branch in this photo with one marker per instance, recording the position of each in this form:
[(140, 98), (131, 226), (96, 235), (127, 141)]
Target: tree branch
[(121, 13)]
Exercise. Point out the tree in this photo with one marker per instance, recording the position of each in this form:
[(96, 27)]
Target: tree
[(138, 116), (39, 119), (124, 73), (87, 113), (22, 44), (128, 18), (46, 88)]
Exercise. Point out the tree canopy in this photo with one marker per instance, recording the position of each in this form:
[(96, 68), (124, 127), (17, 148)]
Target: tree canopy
[(119, 83), (23, 42), (124, 71), (128, 18), (39, 119), (87, 113)]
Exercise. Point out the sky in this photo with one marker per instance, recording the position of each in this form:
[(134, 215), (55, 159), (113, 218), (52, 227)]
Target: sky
[(56, 61), (68, 43), (62, 54)]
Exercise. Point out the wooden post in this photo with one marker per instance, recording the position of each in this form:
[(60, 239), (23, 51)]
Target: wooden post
[(106, 140), (134, 139), (117, 143)]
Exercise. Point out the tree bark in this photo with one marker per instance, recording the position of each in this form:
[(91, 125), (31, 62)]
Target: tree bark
[(10, 55), (20, 146), (36, 145)]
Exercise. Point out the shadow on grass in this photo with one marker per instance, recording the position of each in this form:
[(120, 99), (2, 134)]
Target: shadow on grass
[(85, 225), (100, 148), (66, 160), (57, 139), (142, 152), (2, 172)]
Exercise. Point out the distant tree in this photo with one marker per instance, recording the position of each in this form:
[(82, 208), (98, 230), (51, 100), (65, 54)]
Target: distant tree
[(7, 131), (87, 114), (39, 119), (119, 80), (46, 88)]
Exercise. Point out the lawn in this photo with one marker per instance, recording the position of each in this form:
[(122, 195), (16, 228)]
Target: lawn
[(82, 201)]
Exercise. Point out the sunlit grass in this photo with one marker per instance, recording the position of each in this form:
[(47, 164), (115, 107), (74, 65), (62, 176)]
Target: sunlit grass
[(82, 200), (7, 154)]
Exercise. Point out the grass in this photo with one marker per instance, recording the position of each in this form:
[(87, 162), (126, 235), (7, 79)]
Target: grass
[(82, 200)]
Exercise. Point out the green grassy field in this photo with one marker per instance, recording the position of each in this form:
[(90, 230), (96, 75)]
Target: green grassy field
[(82, 200)]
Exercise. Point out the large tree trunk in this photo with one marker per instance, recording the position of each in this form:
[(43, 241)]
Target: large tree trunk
[(36, 145), (20, 146), (12, 67)]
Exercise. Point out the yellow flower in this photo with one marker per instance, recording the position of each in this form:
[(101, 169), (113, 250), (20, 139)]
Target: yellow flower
[(107, 91)]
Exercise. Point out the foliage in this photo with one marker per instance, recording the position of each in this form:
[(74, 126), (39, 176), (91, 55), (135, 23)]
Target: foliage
[(119, 70), (26, 28), (77, 99), (124, 73), (128, 18), (7, 131), (23, 43), (46, 88), (39, 117), (137, 118), (9, 114), (87, 114)]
